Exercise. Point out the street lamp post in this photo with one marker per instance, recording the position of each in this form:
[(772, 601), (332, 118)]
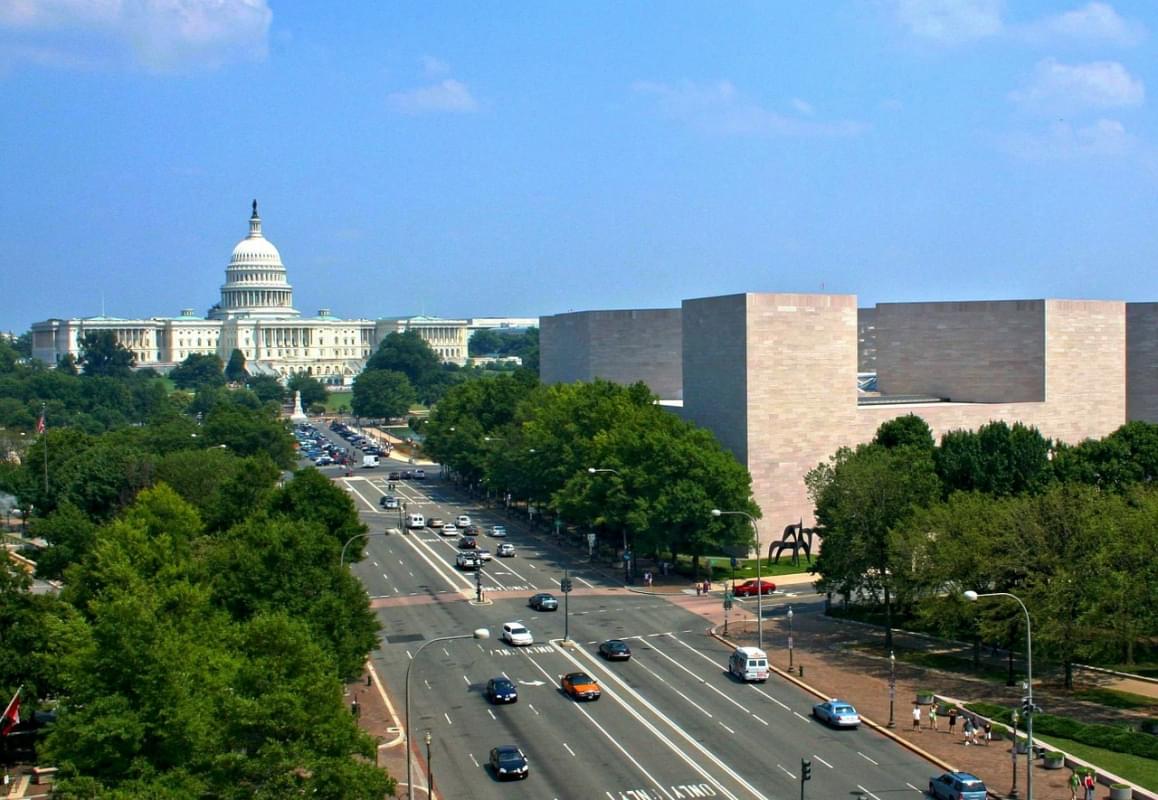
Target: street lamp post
[(479, 633), (1013, 757), (429, 769), (626, 553), (759, 583), (789, 638), (972, 597), (342, 562), (892, 688)]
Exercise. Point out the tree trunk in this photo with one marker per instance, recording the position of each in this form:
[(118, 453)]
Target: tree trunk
[(976, 651), (1069, 674)]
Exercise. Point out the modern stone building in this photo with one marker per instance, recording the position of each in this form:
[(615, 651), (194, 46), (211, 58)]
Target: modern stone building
[(255, 315), (773, 375)]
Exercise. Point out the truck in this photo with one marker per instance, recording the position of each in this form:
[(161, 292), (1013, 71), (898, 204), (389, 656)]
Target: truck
[(369, 461)]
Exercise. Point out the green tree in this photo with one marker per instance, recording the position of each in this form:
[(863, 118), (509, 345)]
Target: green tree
[(313, 392), (998, 459), (907, 431), (198, 370), (235, 371), (267, 388), (381, 394), (68, 364), (102, 354), (1126, 457), (407, 353), (250, 431), (484, 342)]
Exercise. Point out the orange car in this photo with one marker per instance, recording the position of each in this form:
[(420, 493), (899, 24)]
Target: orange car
[(580, 686)]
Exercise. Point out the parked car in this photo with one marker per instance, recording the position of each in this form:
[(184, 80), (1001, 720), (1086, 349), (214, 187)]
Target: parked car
[(837, 713), (615, 650), (517, 634), (543, 601), (509, 763), (957, 786), (506, 550), (751, 588), (499, 531), (580, 686), (501, 690)]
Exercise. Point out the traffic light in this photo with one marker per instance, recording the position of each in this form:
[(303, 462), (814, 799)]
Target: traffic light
[(565, 585), (805, 770), (1026, 705)]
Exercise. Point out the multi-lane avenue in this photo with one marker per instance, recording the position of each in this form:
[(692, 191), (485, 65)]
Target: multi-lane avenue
[(672, 723)]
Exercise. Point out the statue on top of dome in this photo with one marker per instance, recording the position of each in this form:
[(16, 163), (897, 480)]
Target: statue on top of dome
[(255, 208)]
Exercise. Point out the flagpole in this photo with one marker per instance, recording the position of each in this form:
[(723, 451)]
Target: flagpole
[(44, 439)]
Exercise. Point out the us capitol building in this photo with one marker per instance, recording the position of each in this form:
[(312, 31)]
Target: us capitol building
[(256, 315)]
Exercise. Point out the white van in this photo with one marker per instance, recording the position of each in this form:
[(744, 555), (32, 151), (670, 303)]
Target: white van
[(749, 664), (415, 520), (369, 461)]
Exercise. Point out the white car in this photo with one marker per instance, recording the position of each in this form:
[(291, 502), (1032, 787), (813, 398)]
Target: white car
[(462, 521), (499, 531), (506, 550), (483, 554), (449, 530), (517, 634)]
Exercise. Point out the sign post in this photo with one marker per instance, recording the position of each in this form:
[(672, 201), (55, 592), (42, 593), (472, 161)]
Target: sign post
[(727, 607), (565, 588), (591, 547)]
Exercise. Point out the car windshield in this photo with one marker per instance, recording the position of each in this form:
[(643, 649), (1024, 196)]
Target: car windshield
[(972, 785), (616, 646), (518, 629), (844, 710), (579, 677), (510, 757), (503, 684)]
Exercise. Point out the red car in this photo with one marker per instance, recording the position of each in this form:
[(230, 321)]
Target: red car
[(749, 588)]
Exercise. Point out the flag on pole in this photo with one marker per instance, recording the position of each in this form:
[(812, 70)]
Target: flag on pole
[(11, 716), (40, 423)]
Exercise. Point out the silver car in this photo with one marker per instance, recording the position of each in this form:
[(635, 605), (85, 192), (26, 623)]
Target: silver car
[(837, 713)]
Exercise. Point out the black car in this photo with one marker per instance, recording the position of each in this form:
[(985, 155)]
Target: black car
[(544, 601), (615, 650), (407, 475), (509, 763), (501, 690), (468, 543), (394, 476)]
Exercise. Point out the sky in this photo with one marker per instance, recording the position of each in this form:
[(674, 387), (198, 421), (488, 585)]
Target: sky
[(463, 159)]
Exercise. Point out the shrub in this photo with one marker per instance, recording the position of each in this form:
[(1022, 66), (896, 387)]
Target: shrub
[(1107, 737)]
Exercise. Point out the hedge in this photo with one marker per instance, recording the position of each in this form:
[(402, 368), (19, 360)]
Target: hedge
[(1107, 737)]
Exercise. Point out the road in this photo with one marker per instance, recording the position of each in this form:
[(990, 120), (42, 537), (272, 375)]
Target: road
[(671, 723)]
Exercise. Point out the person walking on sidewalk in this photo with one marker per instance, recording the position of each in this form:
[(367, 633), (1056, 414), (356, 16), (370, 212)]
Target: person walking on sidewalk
[(917, 717), (952, 720), (933, 717), (1075, 784), (1090, 784), (968, 730), (988, 728)]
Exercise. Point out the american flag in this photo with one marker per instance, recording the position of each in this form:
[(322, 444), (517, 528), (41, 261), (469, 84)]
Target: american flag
[(40, 423), (11, 716)]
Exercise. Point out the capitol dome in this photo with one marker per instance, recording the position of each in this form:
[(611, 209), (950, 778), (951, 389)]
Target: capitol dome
[(255, 280)]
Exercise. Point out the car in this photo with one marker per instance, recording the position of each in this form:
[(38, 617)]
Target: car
[(957, 786), (467, 543), (419, 474), (838, 713), (388, 501), (407, 474), (749, 588), (543, 601), (615, 650), (394, 476), (499, 531), (501, 690), (505, 550), (467, 561), (516, 633), (462, 521), (448, 529), (435, 522), (483, 554), (471, 530), (323, 461), (509, 763), (580, 686)]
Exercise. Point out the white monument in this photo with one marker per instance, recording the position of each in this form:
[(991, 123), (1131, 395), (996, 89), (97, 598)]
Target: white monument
[(298, 415)]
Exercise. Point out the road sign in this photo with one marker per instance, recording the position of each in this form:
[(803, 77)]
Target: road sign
[(565, 585)]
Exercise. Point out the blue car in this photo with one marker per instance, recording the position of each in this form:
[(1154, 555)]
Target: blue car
[(957, 786), (501, 690), (836, 713)]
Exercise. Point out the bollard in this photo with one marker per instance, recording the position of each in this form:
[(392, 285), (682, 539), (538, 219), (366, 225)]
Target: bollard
[(801, 668)]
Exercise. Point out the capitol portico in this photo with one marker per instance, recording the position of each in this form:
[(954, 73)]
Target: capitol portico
[(255, 315)]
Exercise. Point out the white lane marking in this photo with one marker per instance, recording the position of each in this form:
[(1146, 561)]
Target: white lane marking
[(702, 681), (822, 761), (696, 745), (866, 791), (914, 788), (758, 719), (615, 741), (448, 722), (492, 713), (410, 540), (472, 759), (362, 497), (585, 583), (569, 750), (532, 566), (375, 563), (533, 709), (786, 772), (688, 700), (710, 661), (385, 577), (802, 717), (729, 730), (866, 758), (465, 678)]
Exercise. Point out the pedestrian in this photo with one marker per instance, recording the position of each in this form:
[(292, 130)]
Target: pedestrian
[(1090, 784), (988, 728), (699, 588), (952, 720), (933, 716), (707, 587), (916, 716), (1075, 784), (968, 730)]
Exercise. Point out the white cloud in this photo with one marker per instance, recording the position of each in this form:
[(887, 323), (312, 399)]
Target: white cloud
[(1105, 138), (1063, 88), (719, 108), (803, 106), (446, 96), (158, 35), (1095, 22), (950, 21)]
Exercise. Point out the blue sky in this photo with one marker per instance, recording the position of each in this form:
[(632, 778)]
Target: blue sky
[(469, 159)]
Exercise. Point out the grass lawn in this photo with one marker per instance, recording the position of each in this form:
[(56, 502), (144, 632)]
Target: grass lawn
[(1138, 770), (1116, 699), (745, 567)]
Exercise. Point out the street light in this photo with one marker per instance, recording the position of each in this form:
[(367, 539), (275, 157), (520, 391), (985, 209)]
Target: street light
[(626, 553), (972, 597), (479, 633), (892, 687), (789, 638), (429, 769), (342, 561), (759, 583)]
